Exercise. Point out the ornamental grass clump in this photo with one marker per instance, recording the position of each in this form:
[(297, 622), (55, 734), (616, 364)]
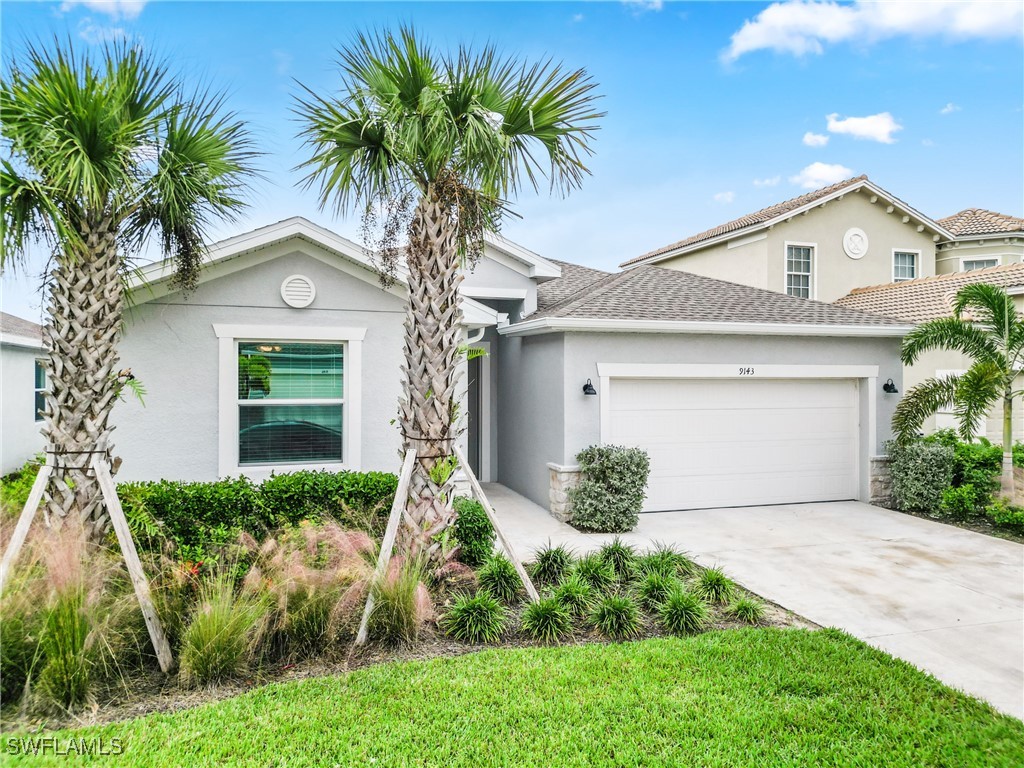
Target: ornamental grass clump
[(747, 609), (547, 620), (551, 564), (683, 613), (654, 588), (714, 586), (224, 631), (665, 560), (617, 617), (621, 557), (596, 571), (499, 577), (402, 603), (575, 594), (475, 619)]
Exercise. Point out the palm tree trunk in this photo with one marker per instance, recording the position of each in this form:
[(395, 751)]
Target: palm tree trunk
[(80, 336), (432, 333), (1007, 486)]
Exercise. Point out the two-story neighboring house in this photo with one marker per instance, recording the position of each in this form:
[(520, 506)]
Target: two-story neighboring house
[(981, 239), (820, 245)]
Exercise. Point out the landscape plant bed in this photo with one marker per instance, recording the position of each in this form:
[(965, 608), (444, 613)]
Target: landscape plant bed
[(150, 692), (751, 697), (977, 524)]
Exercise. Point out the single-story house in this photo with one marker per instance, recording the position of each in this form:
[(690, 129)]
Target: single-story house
[(21, 392), (929, 298), (287, 355)]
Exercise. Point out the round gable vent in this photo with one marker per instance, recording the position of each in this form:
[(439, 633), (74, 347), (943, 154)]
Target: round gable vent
[(298, 291)]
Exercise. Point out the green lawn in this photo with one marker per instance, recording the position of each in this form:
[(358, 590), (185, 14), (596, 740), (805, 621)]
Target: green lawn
[(759, 697)]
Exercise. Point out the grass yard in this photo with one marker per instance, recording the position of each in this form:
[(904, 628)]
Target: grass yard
[(757, 697)]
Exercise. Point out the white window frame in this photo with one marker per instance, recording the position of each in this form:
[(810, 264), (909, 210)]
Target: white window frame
[(964, 259), (40, 363), (917, 264), (813, 281), (229, 337)]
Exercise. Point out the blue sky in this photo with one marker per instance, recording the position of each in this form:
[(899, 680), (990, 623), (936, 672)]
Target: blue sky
[(714, 109)]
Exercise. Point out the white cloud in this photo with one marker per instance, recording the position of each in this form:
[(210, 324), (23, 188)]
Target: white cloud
[(577, 18), (815, 139), (724, 197), (799, 27), (772, 181), (821, 175), (644, 5), (96, 34), (878, 127), (116, 9), (949, 109)]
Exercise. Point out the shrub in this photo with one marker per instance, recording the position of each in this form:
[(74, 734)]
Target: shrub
[(747, 609), (499, 577), (610, 493), (401, 603), (1006, 515), (223, 632), (596, 571), (654, 588), (354, 499), (576, 594), (961, 502), (474, 532), (617, 617), (547, 620), (551, 564), (621, 557), (15, 487), (714, 586), (477, 619), (665, 560), (921, 471), (683, 613)]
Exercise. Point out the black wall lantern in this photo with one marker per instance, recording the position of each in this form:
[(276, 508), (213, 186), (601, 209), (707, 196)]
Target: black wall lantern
[(889, 388), (588, 388)]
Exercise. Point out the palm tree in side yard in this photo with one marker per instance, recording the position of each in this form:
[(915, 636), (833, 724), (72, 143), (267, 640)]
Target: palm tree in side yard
[(101, 153), (436, 144), (986, 328)]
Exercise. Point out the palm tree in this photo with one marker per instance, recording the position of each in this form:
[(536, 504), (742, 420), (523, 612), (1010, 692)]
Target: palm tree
[(100, 154), (438, 143), (986, 327)]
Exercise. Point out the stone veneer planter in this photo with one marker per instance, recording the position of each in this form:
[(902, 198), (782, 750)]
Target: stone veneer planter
[(881, 482), (562, 478)]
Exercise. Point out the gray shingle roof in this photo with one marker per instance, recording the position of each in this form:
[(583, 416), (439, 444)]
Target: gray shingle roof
[(17, 326), (656, 293), (751, 219), (978, 221), (575, 277), (927, 298)]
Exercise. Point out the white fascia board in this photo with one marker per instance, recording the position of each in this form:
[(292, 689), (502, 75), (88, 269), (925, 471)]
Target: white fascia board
[(13, 340), (499, 294), (728, 236), (537, 266), (477, 315), (574, 324)]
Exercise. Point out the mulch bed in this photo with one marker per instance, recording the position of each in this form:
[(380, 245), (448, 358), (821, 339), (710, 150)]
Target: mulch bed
[(976, 524)]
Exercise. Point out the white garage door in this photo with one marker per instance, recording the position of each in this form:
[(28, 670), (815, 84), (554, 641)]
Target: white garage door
[(739, 442)]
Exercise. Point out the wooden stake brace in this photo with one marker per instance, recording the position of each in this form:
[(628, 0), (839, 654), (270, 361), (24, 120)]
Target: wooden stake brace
[(124, 538)]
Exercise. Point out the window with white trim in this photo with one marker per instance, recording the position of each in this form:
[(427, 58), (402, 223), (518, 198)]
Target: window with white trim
[(291, 398), (969, 265), (904, 266), (799, 266), (40, 389)]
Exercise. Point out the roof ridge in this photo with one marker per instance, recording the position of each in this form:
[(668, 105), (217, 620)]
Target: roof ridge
[(936, 278)]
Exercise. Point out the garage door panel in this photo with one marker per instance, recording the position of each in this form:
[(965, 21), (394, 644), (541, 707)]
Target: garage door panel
[(739, 442)]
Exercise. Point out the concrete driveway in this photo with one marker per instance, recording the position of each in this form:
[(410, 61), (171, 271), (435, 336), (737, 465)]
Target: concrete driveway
[(947, 600)]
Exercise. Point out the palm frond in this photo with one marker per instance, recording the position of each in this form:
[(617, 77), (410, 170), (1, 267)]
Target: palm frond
[(951, 333), (977, 392), (988, 305), (922, 401)]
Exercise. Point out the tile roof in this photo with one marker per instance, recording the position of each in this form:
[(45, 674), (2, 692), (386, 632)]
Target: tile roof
[(575, 277), (17, 326), (751, 219), (656, 293), (927, 298), (978, 221)]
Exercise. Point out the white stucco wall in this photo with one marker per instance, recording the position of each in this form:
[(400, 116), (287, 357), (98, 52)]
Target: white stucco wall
[(21, 437)]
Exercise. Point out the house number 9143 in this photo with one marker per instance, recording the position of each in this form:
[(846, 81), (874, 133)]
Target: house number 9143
[(746, 371)]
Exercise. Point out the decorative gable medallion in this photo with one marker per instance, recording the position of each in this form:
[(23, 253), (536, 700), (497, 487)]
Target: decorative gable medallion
[(855, 242), (298, 291)]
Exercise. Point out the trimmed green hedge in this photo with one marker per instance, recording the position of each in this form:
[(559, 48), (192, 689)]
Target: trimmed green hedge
[(610, 493)]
